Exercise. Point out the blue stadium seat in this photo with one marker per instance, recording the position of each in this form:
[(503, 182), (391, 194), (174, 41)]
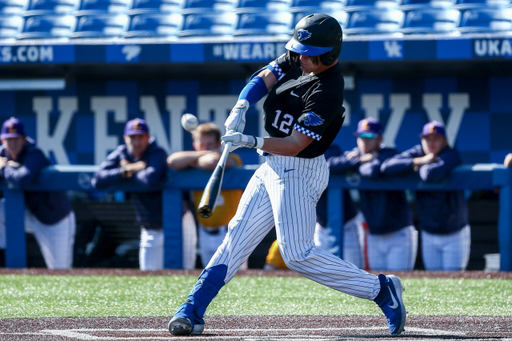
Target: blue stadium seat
[(315, 6), (49, 7), (340, 15), (471, 4), (431, 21), (154, 25), (100, 26), (47, 26), (10, 26), (408, 5), (264, 23), (250, 6), (13, 7), (368, 5), (156, 6), (375, 22), (93, 7), (210, 24), (208, 6), (486, 20)]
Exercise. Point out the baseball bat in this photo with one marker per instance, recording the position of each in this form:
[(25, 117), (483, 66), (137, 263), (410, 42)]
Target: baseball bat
[(212, 189)]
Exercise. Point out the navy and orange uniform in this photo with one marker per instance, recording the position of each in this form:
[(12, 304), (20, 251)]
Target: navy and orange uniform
[(311, 104), (384, 211), (439, 212)]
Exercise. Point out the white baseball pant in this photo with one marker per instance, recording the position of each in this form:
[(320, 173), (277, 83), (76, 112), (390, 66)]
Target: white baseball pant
[(393, 251), (151, 250), (353, 240), (209, 243), (56, 241), (446, 252), (284, 192)]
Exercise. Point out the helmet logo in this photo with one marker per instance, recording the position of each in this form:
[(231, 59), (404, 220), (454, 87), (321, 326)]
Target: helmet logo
[(303, 34)]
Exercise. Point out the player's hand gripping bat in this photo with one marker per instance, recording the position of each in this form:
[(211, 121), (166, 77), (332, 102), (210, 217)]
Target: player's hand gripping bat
[(212, 189)]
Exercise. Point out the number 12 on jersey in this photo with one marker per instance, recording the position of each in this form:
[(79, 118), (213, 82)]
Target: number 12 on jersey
[(285, 123)]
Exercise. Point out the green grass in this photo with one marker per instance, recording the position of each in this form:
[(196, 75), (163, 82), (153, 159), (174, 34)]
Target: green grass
[(94, 296)]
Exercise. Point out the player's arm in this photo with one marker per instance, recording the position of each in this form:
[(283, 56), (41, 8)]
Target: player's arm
[(440, 169), (22, 175), (110, 171), (209, 161), (155, 171), (401, 163), (185, 159), (286, 146), (262, 81)]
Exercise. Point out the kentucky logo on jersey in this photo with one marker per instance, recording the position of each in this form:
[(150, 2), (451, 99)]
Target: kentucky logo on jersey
[(303, 34), (312, 119)]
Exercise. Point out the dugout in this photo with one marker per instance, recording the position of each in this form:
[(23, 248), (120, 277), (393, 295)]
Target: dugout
[(92, 87)]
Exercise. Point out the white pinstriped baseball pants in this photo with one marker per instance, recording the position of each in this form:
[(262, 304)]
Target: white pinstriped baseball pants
[(284, 192)]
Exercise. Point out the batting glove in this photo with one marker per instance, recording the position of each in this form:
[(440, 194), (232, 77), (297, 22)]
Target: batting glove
[(239, 140), (236, 118), (288, 61)]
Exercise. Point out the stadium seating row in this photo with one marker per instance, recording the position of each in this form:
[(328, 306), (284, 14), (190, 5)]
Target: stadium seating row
[(24, 19), (89, 7)]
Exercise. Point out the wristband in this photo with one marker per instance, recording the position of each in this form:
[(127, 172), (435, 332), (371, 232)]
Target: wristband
[(259, 142)]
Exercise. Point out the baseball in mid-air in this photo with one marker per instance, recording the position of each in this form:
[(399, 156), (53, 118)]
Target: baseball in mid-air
[(189, 122)]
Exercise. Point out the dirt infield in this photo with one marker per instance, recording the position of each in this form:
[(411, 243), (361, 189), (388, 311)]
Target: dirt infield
[(257, 327), (260, 328)]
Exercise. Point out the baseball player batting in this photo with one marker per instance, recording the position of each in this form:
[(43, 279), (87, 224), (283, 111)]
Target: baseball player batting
[(303, 114)]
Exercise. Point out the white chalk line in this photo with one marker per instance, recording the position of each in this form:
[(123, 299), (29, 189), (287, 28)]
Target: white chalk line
[(83, 333)]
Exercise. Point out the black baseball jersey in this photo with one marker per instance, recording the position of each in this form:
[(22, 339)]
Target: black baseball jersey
[(312, 105)]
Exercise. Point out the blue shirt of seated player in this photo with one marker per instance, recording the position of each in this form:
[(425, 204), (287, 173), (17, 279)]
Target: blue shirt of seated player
[(21, 163), (384, 211), (139, 161), (439, 212), (349, 208)]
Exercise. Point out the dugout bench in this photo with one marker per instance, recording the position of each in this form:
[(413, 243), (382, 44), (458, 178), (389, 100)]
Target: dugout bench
[(78, 178)]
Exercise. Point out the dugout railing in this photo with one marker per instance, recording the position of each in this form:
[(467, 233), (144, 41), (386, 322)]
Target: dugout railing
[(78, 178)]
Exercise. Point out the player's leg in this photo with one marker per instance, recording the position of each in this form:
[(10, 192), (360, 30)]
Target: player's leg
[(251, 223), (189, 232), (209, 241), (456, 250), (353, 241), (55, 241), (402, 248), (294, 195), (376, 252), (431, 251), (151, 251), (2, 224)]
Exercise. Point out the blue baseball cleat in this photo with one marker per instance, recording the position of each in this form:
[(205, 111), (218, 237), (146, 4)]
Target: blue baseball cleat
[(183, 322), (390, 301)]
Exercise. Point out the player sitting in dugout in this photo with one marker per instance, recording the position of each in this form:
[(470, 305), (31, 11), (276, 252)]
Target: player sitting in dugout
[(392, 238), (48, 214), (140, 161), (207, 145), (443, 215)]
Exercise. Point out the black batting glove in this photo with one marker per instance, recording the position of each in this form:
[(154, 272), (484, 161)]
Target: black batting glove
[(288, 61)]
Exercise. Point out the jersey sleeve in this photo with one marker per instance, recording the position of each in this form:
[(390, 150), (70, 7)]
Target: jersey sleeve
[(321, 109)]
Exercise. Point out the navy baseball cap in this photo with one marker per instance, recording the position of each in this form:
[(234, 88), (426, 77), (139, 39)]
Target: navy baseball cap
[(12, 128), (136, 127), (369, 128), (433, 128)]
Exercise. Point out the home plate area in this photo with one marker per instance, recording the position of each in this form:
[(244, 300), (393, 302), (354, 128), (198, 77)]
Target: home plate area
[(260, 328)]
